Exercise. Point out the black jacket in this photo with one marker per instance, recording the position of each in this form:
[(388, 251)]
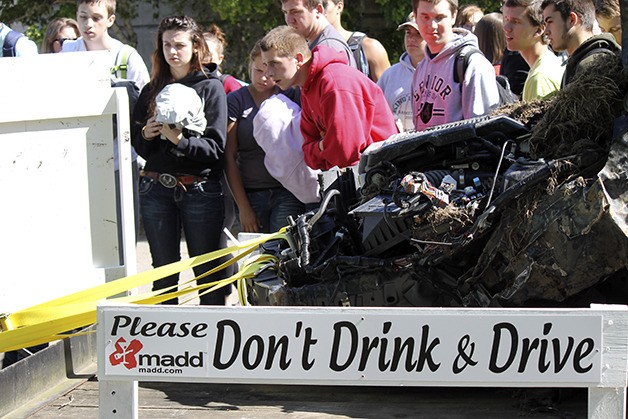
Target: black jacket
[(586, 54), (515, 69), (194, 155)]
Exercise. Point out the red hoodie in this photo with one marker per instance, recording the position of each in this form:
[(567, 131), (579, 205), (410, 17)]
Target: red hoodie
[(342, 107)]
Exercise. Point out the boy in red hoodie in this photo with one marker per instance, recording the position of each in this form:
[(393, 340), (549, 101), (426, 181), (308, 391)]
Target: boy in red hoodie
[(343, 111)]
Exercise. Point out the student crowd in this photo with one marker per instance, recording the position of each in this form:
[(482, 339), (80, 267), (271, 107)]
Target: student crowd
[(318, 95)]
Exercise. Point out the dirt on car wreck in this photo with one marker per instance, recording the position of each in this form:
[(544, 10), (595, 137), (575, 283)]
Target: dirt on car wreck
[(527, 207)]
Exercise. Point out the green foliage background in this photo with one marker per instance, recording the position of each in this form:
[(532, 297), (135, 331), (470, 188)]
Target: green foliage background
[(244, 21)]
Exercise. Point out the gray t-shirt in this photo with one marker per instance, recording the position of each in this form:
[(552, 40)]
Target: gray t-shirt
[(332, 38), (242, 109)]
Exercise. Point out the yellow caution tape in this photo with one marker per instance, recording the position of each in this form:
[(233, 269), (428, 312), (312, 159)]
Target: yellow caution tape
[(48, 321)]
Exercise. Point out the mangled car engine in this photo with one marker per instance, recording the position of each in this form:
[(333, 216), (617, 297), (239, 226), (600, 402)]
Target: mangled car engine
[(503, 210)]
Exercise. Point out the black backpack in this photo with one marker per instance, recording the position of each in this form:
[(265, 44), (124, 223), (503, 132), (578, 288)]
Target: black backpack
[(461, 63), (8, 48)]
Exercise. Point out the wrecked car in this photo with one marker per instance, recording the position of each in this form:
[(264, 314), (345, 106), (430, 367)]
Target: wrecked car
[(526, 207)]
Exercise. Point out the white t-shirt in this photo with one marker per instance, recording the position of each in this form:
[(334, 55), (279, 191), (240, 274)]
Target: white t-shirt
[(396, 83), (276, 128), (136, 72), (23, 46)]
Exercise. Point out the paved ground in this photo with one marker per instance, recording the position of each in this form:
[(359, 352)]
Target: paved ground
[(164, 400), (144, 263), (182, 400)]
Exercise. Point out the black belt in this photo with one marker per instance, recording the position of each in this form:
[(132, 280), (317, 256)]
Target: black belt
[(170, 181)]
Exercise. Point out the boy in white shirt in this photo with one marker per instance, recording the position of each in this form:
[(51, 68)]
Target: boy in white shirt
[(396, 82), (95, 17)]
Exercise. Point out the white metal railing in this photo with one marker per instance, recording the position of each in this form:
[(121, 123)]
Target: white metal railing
[(363, 346)]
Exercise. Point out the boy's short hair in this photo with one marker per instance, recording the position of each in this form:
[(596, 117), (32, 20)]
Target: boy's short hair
[(607, 8), (311, 4), (453, 4), (286, 41), (110, 4), (533, 9), (583, 8)]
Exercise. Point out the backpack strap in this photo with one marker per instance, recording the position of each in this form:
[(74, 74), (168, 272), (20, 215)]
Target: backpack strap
[(122, 61), (356, 39), (461, 62), (355, 42), (8, 48)]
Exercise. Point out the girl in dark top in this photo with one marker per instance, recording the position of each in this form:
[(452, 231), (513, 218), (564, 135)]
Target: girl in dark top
[(263, 203), (180, 185)]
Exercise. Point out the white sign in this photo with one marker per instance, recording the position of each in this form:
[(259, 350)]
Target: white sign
[(350, 345)]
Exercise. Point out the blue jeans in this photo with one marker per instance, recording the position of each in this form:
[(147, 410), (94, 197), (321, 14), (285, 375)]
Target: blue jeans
[(273, 206), (200, 212)]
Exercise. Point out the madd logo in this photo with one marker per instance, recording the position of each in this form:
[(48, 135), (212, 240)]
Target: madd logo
[(130, 357)]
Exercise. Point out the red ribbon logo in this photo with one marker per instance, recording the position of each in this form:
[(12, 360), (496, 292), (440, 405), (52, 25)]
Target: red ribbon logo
[(125, 354)]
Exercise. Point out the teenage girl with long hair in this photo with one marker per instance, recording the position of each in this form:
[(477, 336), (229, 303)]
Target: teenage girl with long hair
[(263, 203), (57, 32), (180, 187)]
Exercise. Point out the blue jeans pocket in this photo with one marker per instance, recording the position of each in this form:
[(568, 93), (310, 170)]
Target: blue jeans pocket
[(210, 189), (146, 184)]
